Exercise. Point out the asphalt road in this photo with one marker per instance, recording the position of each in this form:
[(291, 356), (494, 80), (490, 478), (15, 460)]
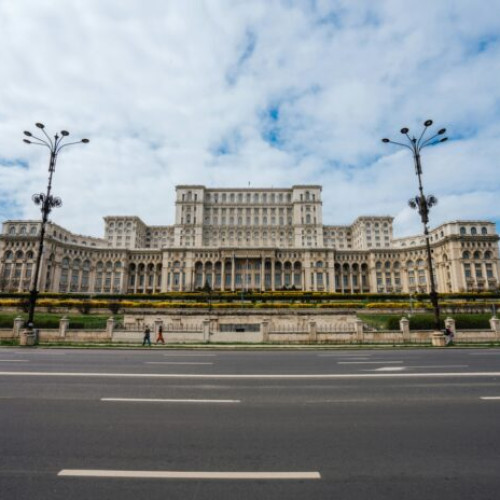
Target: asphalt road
[(325, 424)]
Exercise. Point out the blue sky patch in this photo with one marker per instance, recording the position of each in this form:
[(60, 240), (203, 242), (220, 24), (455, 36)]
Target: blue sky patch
[(13, 162)]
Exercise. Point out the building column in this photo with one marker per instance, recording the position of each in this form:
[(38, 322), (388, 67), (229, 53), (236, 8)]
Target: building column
[(272, 274), (262, 274), (233, 271), (222, 274)]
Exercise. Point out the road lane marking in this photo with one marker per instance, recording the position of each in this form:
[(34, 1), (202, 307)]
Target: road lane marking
[(146, 400), (150, 474), (176, 363), (496, 353), (437, 366), (390, 369), (345, 356), (14, 360), (240, 376), (490, 398), (200, 355), (368, 362)]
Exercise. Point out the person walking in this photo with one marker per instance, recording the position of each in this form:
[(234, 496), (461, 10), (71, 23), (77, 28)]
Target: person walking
[(147, 337), (159, 337), (449, 335)]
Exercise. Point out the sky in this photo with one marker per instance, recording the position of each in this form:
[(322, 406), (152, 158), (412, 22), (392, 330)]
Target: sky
[(232, 93)]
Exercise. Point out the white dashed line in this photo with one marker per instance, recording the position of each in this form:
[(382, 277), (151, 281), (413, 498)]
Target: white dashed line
[(369, 362), (150, 474), (145, 400), (176, 363)]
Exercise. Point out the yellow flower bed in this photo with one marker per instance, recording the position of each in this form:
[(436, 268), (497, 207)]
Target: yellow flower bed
[(9, 302)]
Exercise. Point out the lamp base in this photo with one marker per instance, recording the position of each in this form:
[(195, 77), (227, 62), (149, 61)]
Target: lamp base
[(438, 339)]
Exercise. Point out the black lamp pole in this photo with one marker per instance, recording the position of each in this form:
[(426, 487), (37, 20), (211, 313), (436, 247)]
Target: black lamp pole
[(421, 202), (46, 201)]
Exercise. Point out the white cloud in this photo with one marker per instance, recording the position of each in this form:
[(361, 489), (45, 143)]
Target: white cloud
[(266, 92)]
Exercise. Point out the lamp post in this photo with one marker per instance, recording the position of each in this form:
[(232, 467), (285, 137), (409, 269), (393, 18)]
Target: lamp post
[(46, 201), (421, 202)]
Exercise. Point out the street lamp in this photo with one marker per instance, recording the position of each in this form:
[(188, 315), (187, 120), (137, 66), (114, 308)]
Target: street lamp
[(421, 202), (46, 201)]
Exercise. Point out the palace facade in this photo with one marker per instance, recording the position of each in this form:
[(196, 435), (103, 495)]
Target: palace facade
[(249, 239)]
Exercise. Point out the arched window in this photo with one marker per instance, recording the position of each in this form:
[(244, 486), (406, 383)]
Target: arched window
[(75, 275), (487, 254), (477, 255), (484, 231), (19, 255), (12, 230), (23, 230), (466, 255), (463, 230), (63, 282), (473, 231)]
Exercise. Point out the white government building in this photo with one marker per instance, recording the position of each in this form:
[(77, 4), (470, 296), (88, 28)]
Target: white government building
[(249, 239)]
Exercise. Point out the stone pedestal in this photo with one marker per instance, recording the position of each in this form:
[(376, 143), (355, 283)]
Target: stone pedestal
[(438, 339)]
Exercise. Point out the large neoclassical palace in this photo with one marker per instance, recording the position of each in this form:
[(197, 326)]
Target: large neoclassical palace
[(249, 239)]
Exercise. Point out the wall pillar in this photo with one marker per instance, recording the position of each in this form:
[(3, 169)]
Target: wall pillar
[(63, 326), (404, 325), (206, 330), (358, 325), (264, 330), (450, 323), (110, 326), (313, 331), (18, 325), (495, 325)]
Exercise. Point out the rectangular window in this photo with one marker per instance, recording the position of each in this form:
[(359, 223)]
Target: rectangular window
[(478, 270), (467, 271), (489, 271)]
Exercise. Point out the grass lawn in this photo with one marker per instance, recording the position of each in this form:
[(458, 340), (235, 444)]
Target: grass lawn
[(425, 321), (51, 320)]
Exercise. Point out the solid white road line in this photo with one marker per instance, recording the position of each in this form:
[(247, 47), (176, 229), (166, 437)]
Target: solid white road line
[(14, 360), (145, 400), (150, 474), (368, 362), (239, 376), (176, 363), (490, 398)]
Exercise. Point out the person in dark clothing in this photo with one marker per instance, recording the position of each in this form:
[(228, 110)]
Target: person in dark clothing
[(147, 337)]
